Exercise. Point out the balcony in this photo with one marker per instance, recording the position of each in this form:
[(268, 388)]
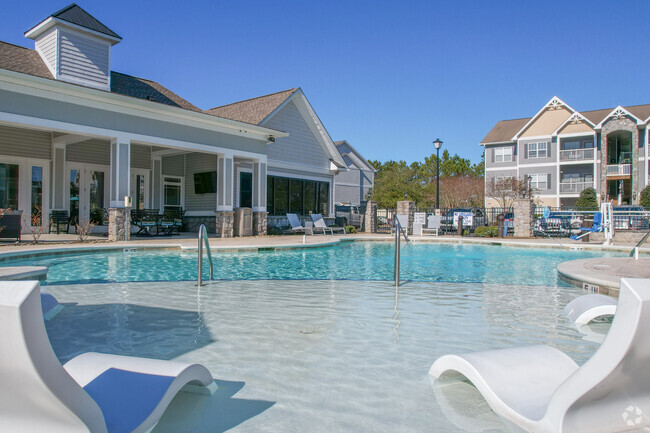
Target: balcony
[(574, 187), (619, 170), (577, 155)]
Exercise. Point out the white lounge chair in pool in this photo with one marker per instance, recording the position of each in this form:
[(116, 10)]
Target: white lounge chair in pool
[(296, 227), (319, 224), (49, 305), (586, 308), (93, 392), (540, 389)]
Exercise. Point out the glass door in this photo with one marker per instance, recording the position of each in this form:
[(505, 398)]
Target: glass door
[(140, 189), (245, 189), (74, 179)]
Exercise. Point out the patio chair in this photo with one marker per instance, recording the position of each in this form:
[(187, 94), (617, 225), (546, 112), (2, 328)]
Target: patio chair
[(59, 218), (92, 392), (597, 226), (433, 225), (586, 308), (296, 227), (49, 305), (540, 389), (319, 224)]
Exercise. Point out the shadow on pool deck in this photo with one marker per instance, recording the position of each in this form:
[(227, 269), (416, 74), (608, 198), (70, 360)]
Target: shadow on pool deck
[(126, 329), (220, 412)]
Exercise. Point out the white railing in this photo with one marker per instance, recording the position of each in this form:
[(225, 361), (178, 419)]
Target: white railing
[(619, 170), (574, 187), (576, 154)]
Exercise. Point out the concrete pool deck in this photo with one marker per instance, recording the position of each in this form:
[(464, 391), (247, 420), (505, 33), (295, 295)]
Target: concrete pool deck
[(603, 275)]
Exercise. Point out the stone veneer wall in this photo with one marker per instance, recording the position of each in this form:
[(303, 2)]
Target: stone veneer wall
[(119, 224), (407, 208), (225, 222), (192, 223), (370, 218), (524, 220), (260, 223), (613, 125)]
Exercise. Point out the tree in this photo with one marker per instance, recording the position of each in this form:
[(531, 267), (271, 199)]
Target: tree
[(392, 181), (644, 200), (588, 199), (506, 190), (461, 192)]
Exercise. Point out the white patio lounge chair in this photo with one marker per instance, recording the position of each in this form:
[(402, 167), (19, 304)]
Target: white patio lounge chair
[(93, 392), (49, 305), (540, 389), (296, 227), (319, 224), (586, 308)]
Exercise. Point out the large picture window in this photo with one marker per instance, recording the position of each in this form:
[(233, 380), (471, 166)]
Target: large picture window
[(9, 186), (299, 196), (172, 193)]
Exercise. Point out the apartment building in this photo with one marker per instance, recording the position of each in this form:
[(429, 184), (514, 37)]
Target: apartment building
[(561, 151)]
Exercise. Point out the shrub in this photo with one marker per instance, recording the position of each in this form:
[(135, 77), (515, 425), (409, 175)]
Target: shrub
[(588, 200), (486, 232), (350, 229), (645, 197)]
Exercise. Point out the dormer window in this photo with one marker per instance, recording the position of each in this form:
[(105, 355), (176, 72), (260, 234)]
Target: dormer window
[(75, 47)]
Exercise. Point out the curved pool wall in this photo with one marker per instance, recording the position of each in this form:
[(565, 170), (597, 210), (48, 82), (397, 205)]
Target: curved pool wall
[(436, 262)]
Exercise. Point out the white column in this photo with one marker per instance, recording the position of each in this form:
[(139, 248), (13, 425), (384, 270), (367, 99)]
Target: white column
[(259, 185), (120, 175), (156, 183), (58, 174), (225, 182)]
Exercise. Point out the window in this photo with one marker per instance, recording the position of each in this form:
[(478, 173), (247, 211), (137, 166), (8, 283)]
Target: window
[(172, 192), (37, 196), (537, 150), (8, 186), (299, 196), (245, 189), (503, 154), (139, 192), (539, 181)]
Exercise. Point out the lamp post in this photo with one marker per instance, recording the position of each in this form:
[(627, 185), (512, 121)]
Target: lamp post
[(437, 144)]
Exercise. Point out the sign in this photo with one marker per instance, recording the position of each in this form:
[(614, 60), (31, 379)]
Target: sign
[(420, 218), (467, 218)]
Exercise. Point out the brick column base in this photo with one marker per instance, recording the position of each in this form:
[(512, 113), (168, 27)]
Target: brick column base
[(119, 224)]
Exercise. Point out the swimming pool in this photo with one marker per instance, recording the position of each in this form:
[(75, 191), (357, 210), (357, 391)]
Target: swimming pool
[(470, 263)]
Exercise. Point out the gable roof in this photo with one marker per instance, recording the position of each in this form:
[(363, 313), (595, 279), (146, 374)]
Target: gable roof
[(353, 155), (27, 61), (554, 103), (504, 130), (253, 110), (74, 14)]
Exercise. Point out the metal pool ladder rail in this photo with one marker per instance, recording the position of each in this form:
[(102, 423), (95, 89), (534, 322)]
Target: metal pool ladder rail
[(203, 238), (398, 231), (635, 251)]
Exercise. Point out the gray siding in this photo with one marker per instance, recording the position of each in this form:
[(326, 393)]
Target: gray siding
[(91, 152), (12, 102), (551, 178), (25, 143), (551, 151), (489, 156), (141, 156), (173, 165), (301, 146), (46, 46), (83, 58), (352, 186), (197, 163)]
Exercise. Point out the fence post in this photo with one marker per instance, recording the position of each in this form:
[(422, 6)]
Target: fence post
[(524, 219), (370, 217), (407, 208)]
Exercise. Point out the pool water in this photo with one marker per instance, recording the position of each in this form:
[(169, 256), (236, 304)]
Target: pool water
[(347, 261), (322, 356)]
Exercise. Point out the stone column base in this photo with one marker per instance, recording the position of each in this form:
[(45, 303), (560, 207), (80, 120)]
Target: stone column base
[(407, 207), (119, 224), (370, 218), (225, 223), (524, 221), (260, 223)]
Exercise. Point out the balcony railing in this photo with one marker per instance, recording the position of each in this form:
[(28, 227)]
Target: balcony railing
[(576, 154), (574, 187), (619, 170)]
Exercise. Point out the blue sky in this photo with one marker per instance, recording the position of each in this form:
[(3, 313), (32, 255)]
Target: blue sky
[(389, 77)]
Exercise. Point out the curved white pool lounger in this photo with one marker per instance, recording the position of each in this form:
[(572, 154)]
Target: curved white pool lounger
[(92, 393), (541, 389), (586, 308), (49, 305)]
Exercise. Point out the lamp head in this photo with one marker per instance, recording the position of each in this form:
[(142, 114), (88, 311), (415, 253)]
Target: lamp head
[(437, 143)]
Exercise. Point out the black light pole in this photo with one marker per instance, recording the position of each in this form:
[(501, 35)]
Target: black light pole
[(437, 144)]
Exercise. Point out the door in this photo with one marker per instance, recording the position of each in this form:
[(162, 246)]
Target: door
[(87, 192), (140, 189), (245, 189)]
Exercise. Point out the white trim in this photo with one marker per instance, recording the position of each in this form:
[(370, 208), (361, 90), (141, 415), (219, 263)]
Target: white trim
[(238, 170), (162, 189), (539, 164), (575, 134), (512, 168), (554, 102), (46, 24), (533, 138), (272, 163), (85, 96), (619, 112)]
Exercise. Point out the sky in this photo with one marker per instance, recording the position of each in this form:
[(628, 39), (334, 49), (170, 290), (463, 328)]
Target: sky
[(388, 76)]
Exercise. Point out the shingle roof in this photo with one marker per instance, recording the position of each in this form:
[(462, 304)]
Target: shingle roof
[(252, 110), (26, 61), (76, 15), (504, 130)]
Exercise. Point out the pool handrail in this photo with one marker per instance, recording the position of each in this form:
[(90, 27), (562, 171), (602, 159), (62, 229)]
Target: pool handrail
[(203, 239)]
